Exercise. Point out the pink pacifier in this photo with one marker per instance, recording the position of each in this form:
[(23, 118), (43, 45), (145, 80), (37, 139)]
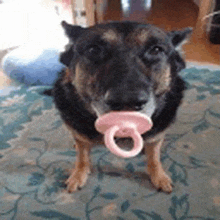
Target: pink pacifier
[(123, 124)]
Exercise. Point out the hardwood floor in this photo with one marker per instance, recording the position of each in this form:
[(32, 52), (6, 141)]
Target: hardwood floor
[(171, 15)]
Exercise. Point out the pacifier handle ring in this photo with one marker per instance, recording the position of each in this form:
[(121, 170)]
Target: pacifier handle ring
[(113, 147)]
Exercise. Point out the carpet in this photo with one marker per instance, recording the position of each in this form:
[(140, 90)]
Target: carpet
[(36, 153)]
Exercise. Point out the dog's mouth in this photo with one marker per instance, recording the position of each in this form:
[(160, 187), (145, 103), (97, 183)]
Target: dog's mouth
[(101, 107)]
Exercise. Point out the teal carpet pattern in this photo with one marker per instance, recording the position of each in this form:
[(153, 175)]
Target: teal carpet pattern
[(36, 153)]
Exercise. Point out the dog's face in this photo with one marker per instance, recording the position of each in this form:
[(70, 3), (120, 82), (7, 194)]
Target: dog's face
[(122, 65)]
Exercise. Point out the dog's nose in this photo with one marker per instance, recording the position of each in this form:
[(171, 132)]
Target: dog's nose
[(131, 100)]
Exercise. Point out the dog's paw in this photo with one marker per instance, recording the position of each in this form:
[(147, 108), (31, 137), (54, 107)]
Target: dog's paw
[(162, 181), (77, 179)]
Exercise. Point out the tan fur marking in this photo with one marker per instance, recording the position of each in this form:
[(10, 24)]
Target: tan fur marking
[(79, 78), (154, 167), (163, 81), (138, 38), (82, 169), (67, 76), (111, 36), (84, 83), (142, 36)]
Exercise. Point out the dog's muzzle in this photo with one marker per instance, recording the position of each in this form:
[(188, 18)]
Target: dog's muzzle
[(141, 102)]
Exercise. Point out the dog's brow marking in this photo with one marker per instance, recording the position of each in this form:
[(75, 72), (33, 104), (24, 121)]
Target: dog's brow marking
[(111, 36), (139, 37), (142, 37)]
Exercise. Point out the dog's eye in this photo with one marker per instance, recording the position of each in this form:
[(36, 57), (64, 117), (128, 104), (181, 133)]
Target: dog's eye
[(94, 50), (156, 50), (95, 53)]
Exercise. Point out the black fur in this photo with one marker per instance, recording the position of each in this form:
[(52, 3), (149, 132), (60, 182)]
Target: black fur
[(169, 104), (73, 108), (74, 113)]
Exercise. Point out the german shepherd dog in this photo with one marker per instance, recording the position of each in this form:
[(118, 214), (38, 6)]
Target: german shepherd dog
[(119, 66)]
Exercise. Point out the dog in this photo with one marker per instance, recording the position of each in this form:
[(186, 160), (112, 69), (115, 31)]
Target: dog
[(120, 66)]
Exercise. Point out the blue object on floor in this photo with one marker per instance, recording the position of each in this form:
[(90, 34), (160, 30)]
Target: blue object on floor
[(33, 65)]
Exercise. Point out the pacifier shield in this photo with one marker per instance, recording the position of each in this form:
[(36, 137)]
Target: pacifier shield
[(123, 124)]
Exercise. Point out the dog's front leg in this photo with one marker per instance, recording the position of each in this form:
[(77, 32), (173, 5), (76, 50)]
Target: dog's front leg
[(158, 176), (82, 169)]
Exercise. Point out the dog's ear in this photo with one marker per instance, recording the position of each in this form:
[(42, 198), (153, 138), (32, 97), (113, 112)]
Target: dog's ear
[(178, 38), (177, 62), (72, 32)]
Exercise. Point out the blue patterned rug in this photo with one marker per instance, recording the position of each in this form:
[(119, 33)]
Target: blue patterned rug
[(36, 152)]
